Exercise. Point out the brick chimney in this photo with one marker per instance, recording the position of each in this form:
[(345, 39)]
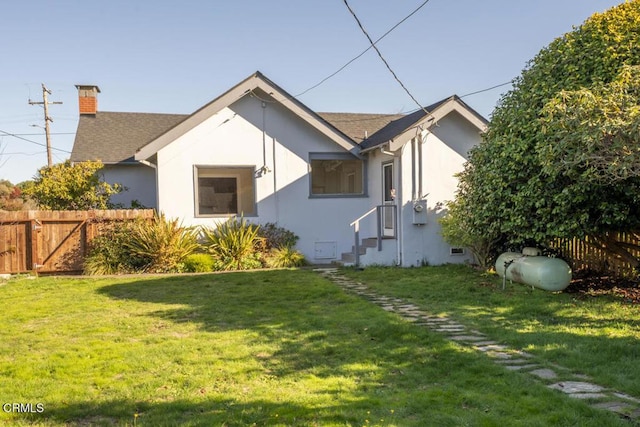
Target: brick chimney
[(88, 99)]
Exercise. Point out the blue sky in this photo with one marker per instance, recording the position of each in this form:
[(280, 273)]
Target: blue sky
[(173, 57)]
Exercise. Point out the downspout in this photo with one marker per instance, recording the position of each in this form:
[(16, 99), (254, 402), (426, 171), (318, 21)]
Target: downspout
[(400, 222), (413, 169), (155, 169), (388, 153), (420, 142), (275, 182), (264, 136)]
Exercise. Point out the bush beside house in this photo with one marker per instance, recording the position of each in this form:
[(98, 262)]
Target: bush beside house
[(166, 246)]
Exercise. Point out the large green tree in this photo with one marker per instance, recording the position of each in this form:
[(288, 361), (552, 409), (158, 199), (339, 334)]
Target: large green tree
[(72, 186), (544, 169)]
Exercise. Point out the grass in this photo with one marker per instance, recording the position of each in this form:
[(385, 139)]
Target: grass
[(596, 336), (281, 348)]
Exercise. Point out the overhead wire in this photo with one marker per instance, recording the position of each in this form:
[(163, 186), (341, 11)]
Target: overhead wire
[(487, 89), (382, 57), (373, 45), (384, 115), (31, 141), (21, 153), (364, 51)]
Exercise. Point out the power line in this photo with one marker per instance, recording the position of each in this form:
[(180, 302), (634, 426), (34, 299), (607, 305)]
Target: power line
[(364, 51), (487, 89), (36, 134), (23, 153), (31, 141), (373, 45)]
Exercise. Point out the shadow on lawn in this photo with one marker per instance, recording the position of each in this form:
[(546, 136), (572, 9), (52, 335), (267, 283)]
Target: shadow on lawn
[(314, 332), (315, 324), (213, 412), (317, 331)]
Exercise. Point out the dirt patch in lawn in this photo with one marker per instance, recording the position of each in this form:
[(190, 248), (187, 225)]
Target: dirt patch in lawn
[(590, 283)]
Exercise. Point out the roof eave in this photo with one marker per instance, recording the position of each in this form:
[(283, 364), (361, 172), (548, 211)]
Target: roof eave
[(255, 81), (454, 103)]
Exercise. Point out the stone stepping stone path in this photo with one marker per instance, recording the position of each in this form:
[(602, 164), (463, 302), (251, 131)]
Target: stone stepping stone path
[(577, 386)]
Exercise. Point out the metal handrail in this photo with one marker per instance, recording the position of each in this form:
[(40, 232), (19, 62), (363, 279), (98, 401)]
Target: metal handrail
[(378, 210)]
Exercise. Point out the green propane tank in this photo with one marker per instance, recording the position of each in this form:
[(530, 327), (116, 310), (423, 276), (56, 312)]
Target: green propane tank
[(550, 274)]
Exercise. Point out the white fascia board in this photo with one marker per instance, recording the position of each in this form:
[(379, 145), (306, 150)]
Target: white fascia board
[(244, 88), (431, 120), (454, 105)]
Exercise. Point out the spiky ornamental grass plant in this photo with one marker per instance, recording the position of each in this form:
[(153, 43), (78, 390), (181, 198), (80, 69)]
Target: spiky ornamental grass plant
[(161, 244), (233, 244), (285, 257)]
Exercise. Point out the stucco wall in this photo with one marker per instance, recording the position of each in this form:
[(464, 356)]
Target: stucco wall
[(234, 137), (140, 181), (444, 153)]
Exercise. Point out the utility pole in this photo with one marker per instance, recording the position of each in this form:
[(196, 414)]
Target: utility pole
[(45, 102)]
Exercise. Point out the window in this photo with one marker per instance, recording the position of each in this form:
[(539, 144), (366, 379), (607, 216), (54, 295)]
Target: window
[(456, 251), (336, 174), (225, 191)]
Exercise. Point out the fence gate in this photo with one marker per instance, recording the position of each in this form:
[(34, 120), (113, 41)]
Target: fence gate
[(52, 241)]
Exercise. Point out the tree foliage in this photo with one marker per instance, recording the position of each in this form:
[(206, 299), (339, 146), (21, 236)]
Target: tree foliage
[(594, 133), (535, 177), (11, 197), (67, 186)]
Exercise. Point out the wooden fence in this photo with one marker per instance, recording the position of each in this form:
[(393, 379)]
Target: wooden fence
[(53, 241), (583, 255)]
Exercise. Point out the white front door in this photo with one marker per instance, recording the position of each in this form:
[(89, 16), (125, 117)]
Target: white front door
[(388, 200)]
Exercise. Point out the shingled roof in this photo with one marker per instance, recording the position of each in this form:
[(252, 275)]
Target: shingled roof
[(115, 137), (124, 137), (359, 126)]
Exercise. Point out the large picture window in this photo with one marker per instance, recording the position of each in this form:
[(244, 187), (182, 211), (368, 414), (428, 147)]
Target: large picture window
[(336, 175), (225, 191)]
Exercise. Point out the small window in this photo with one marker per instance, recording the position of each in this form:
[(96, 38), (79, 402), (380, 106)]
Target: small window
[(456, 251), (225, 191), (336, 175)]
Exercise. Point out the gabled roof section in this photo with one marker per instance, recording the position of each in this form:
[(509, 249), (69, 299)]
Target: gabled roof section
[(435, 111), (359, 126), (115, 137), (253, 82)]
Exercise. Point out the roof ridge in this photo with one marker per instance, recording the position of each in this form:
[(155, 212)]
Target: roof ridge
[(141, 112)]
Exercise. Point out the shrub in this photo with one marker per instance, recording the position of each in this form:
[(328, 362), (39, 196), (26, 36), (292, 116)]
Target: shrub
[(277, 237), (285, 257), (162, 245), (107, 252), (199, 263), (233, 244)]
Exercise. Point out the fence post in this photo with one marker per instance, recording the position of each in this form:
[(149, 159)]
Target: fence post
[(35, 226)]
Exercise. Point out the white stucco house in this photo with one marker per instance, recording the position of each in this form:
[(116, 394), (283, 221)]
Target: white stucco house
[(356, 188)]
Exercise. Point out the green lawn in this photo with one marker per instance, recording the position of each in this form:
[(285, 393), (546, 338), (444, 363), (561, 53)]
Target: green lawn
[(281, 348), (596, 336)]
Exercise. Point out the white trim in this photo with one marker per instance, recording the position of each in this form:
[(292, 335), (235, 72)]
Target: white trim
[(244, 88), (215, 171), (431, 120)]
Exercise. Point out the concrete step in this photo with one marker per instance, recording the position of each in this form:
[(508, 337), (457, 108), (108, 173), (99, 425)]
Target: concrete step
[(370, 242), (348, 257)]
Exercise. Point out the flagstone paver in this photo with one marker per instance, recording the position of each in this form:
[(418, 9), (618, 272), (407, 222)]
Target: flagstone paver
[(544, 373), (510, 359), (528, 366), (475, 338), (571, 387)]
